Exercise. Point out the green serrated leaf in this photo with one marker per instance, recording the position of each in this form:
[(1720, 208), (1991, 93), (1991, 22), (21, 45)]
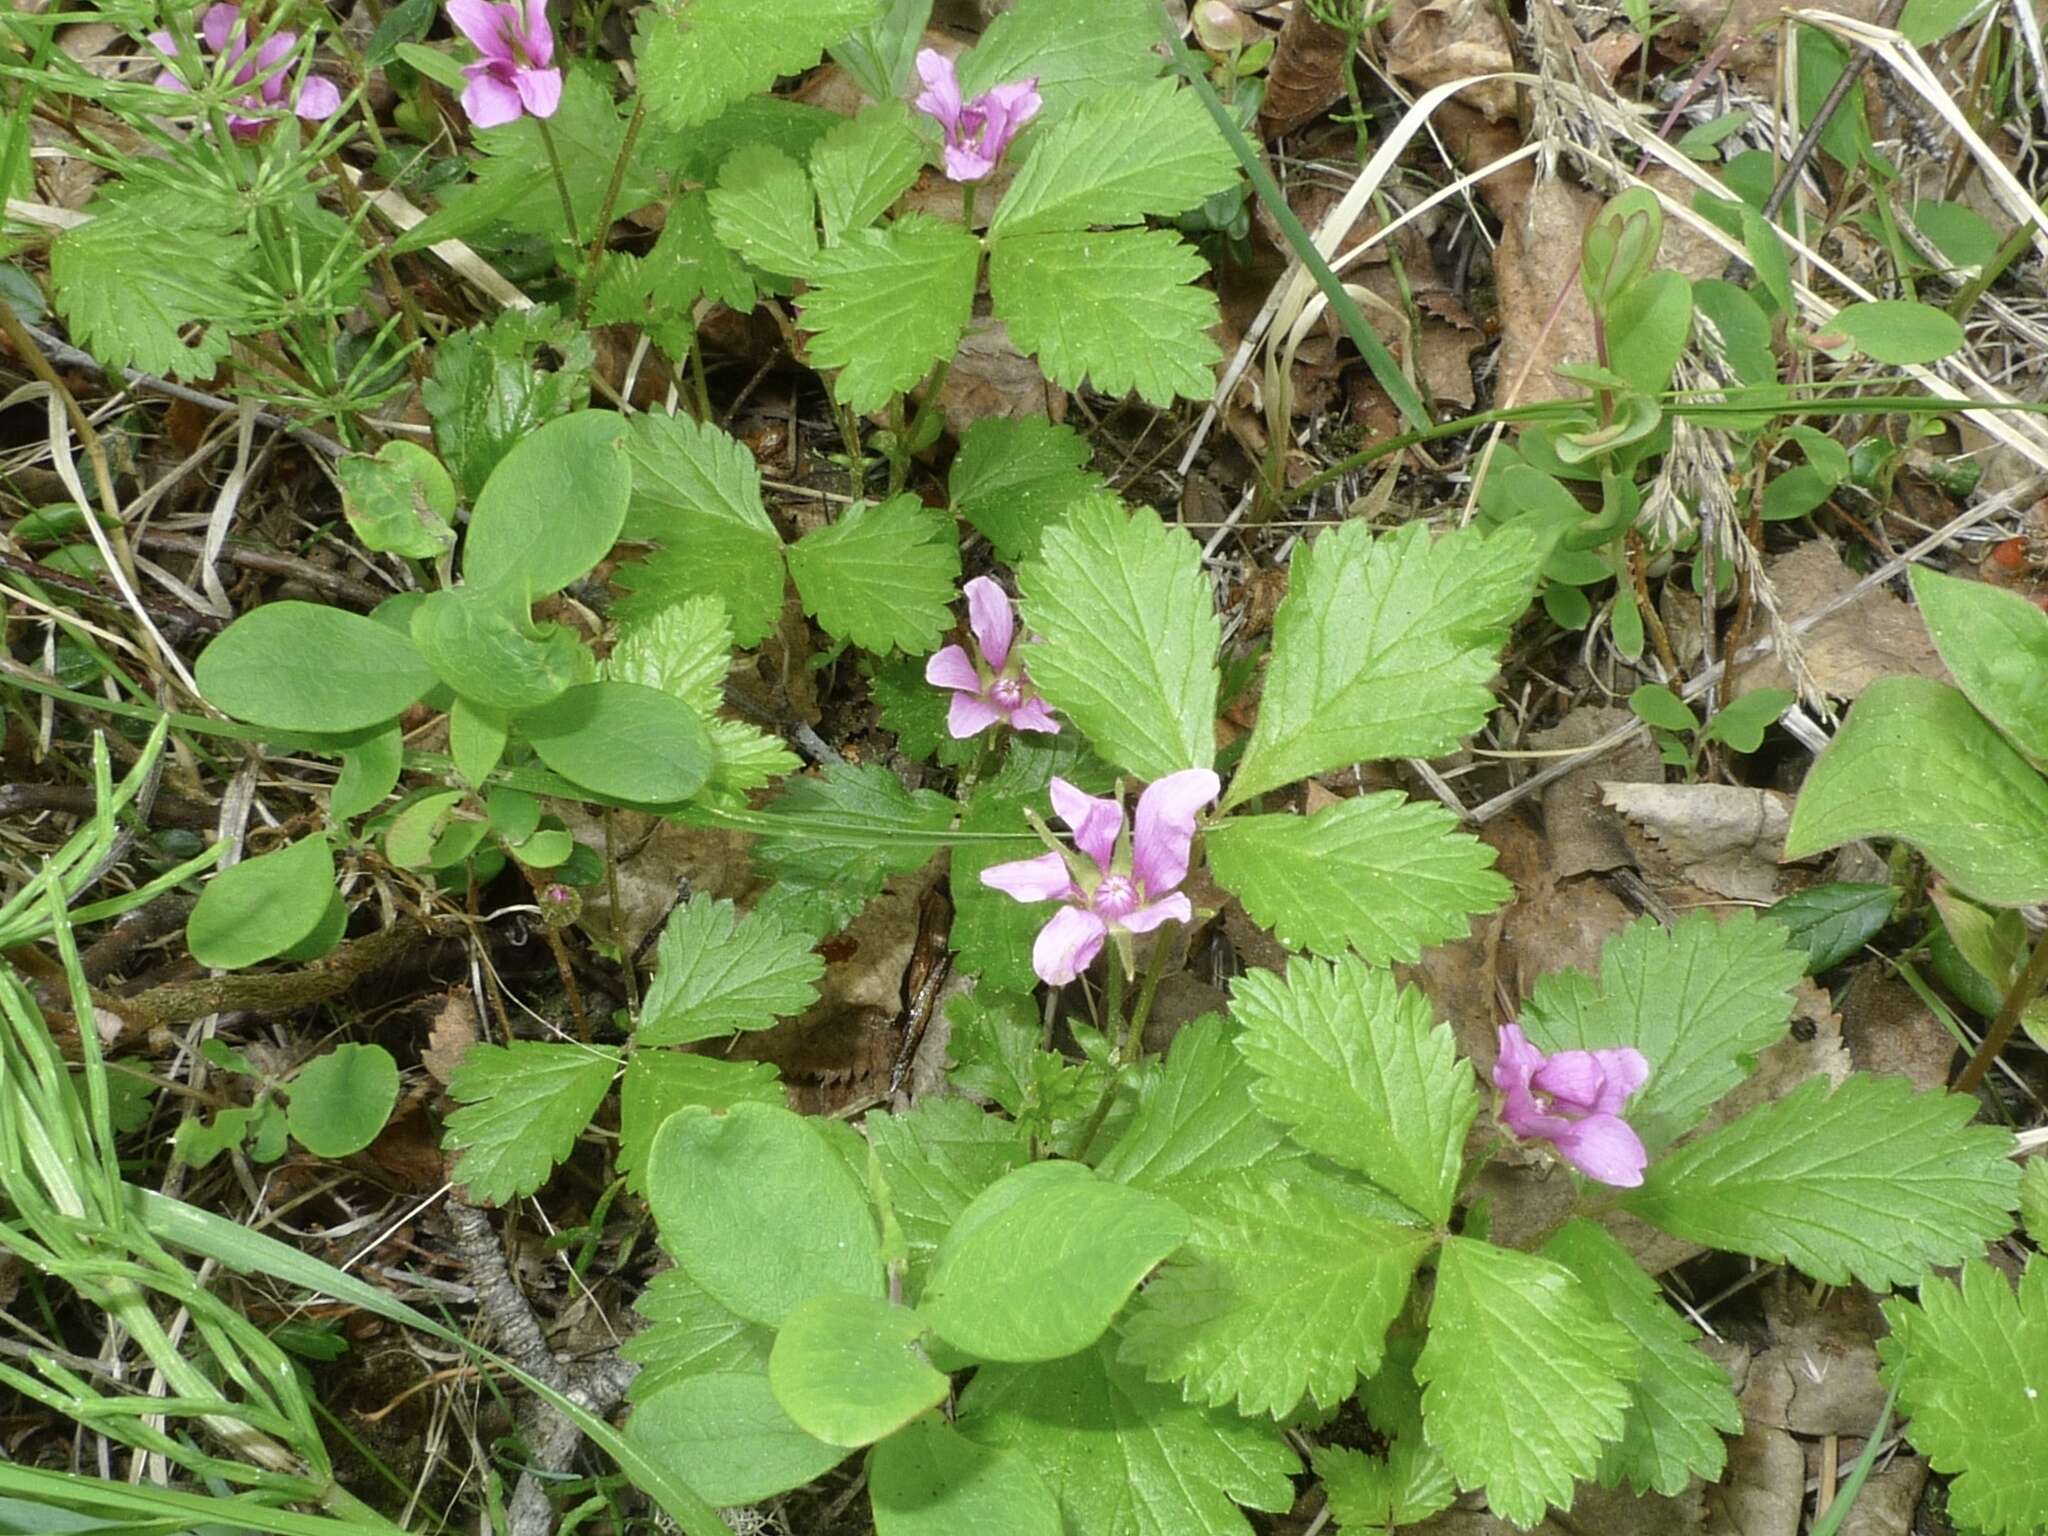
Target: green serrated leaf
[(1116, 309), (863, 166), (1683, 1400), (1524, 1377), (1404, 1487), (1967, 1361), (763, 208), (1072, 48), (1381, 874), (1832, 922), (1359, 1071), (1124, 1456), (1015, 477), (524, 1105), (1383, 647), (717, 973), (684, 649), (1285, 1290), (1697, 999), (886, 304), (2034, 1199), (154, 280), (658, 291), (658, 1083), (1915, 761), (1872, 1181), (1195, 1119), (882, 576), (696, 58), (863, 826), (1996, 644), (689, 1334), (1128, 633), (937, 1158), (1116, 158), (492, 386), (914, 712)]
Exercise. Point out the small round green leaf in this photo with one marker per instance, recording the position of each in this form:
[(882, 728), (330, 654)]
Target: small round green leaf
[(1657, 705), (727, 1438), (623, 740), (1742, 723), (760, 1211), (553, 507), (325, 935), (261, 907), (340, 1101), (1899, 331), (305, 667), (930, 1480), (409, 840), (847, 1369), (1042, 1260), (485, 647), (400, 501)]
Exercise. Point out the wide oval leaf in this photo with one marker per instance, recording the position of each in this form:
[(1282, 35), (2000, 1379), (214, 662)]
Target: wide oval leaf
[(553, 507), (623, 740), (261, 907), (1899, 331), (340, 1101), (1042, 1260), (848, 1370), (1996, 644), (305, 667), (930, 1480), (760, 1211), (486, 648), (725, 1435)]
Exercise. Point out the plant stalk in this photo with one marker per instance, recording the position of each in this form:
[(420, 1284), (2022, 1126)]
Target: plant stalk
[(2022, 992)]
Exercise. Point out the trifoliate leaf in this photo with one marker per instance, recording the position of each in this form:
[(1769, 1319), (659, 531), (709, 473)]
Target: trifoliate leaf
[(1916, 762), (1697, 999), (1117, 309), (1286, 1289), (997, 1055), (1015, 476), (1125, 1456), (717, 973), (1072, 48), (1524, 1377), (524, 1105), (1372, 1493), (763, 208), (148, 271), (937, 1158), (1383, 647), (656, 1084), (1971, 1366), (1114, 159), (689, 1334), (839, 836), (882, 576), (658, 291), (1382, 874), (1355, 1066), (1682, 1398), (1127, 622), (695, 58), (1195, 1119), (863, 166), (886, 304), (1872, 1181)]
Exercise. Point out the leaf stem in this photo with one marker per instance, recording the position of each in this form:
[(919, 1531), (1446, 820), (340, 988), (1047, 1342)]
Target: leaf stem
[(2023, 992), (547, 140), (611, 202)]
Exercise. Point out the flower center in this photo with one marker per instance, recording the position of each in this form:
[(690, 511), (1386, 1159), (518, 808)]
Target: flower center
[(1115, 897), (1007, 693)]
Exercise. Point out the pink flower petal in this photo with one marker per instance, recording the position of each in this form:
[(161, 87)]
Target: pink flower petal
[(169, 80), (1096, 824), (218, 25), (940, 97), (538, 39), (950, 667), (540, 90), (484, 25), (966, 163), (1067, 945), (488, 101), (1032, 715), (1044, 878), (969, 715), (1517, 1061), (1174, 909), (1008, 108), (1166, 827), (1606, 1148), (990, 617), (319, 99)]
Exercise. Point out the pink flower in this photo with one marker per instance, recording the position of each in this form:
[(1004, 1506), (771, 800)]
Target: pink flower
[(226, 35), (1123, 885), (1574, 1099), (978, 131), (512, 78), (995, 687)]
